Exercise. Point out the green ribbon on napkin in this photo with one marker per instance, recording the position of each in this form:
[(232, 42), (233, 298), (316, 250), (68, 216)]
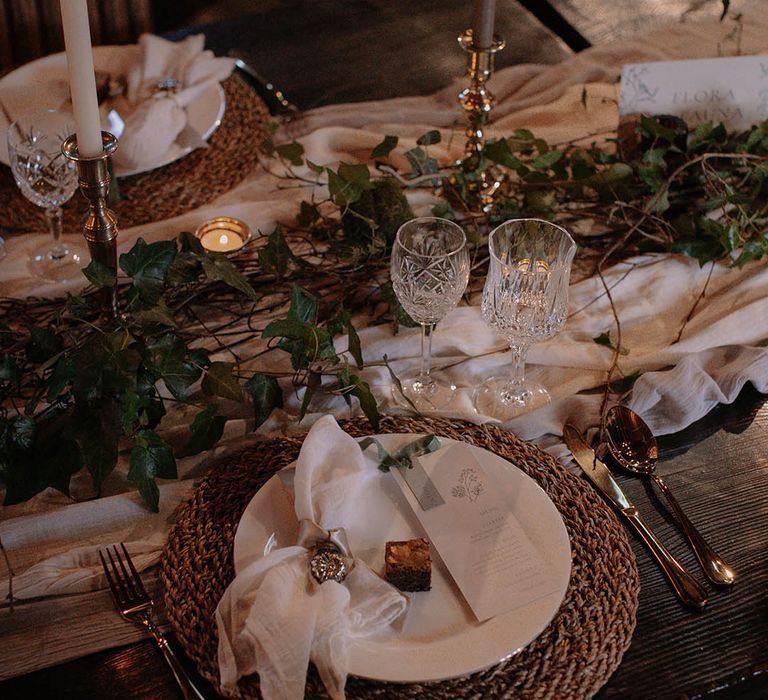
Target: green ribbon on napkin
[(413, 473), (402, 458)]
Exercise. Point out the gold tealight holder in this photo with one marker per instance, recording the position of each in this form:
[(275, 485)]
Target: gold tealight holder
[(223, 234)]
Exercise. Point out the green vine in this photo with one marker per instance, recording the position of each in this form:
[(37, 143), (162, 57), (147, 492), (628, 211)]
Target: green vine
[(76, 389)]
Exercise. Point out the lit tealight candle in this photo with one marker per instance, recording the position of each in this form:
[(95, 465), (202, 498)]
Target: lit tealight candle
[(223, 234)]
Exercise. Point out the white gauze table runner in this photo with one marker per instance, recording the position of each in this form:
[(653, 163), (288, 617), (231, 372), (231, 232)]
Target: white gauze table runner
[(52, 543)]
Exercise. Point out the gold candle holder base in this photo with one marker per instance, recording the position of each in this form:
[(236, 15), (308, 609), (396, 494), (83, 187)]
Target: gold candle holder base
[(100, 222), (479, 185)]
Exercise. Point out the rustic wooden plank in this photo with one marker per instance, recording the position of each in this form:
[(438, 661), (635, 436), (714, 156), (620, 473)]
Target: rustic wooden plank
[(42, 633), (372, 50), (721, 484)]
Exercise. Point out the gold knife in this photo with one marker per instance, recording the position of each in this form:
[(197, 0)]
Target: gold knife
[(688, 590)]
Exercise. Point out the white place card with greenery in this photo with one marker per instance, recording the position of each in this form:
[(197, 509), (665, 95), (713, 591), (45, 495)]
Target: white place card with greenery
[(731, 90), (475, 531)]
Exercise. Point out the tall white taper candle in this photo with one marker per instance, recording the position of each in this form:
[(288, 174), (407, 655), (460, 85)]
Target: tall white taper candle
[(482, 23), (82, 80)]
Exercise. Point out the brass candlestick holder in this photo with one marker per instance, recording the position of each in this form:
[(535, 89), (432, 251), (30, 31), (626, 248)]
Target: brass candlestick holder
[(100, 222), (480, 186)]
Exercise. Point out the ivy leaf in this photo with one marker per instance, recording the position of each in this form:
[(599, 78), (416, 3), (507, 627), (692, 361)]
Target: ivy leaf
[(96, 429), (315, 168), (703, 249), (206, 430), (311, 340), (189, 243), (605, 339), (347, 185), (276, 257), (167, 357), (498, 151), (616, 173), (151, 457), (43, 345), (184, 269), (355, 348), (218, 381), (443, 210), (99, 275), (313, 382), (624, 385), (752, 250), (386, 147), (421, 163), (218, 266), (9, 370), (400, 316), (291, 152), (303, 306), (429, 138), (148, 266), (159, 315), (362, 391), (547, 160), (63, 373), (308, 214), (50, 463), (266, 395)]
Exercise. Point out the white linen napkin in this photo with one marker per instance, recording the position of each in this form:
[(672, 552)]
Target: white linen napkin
[(274, 618), (159, 117)]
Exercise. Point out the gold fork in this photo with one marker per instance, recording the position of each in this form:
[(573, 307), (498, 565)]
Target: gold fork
[(134, 604)]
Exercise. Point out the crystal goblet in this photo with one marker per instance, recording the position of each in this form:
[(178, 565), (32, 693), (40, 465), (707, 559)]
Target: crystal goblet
[(48, 179), (430, 269), (525, 300)]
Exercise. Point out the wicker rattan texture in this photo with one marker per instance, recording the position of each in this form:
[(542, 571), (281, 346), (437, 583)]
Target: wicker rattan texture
[(572, 658), (186, 184)]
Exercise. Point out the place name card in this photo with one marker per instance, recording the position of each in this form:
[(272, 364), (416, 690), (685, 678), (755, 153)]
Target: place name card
[(729, 90), (482, 544)]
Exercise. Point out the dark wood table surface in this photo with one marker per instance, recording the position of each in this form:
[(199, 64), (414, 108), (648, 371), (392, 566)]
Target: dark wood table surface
[(331, 51)]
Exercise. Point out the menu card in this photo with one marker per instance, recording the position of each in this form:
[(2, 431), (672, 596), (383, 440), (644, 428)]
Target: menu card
[(482, 544), (732, 90)]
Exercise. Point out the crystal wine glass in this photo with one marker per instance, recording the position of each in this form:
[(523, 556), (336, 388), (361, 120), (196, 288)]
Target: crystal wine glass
[(48, 179), (525, 299), (430, 269)]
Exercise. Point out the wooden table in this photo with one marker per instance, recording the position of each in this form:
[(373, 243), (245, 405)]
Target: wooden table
[(331, 51)]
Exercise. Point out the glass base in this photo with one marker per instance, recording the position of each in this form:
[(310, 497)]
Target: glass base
[(65, 262), (498, 398), (425, 393)]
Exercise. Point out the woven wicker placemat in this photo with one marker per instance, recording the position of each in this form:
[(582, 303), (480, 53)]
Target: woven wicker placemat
[(186, 184), (572, 658)]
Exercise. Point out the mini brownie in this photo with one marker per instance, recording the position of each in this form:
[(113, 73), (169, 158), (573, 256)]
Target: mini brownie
[(408, 565)]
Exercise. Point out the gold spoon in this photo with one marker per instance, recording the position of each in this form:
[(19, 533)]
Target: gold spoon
[(633, 446)]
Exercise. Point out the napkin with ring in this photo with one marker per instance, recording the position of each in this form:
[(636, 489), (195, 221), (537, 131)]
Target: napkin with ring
[(309, 601), (166, 79)]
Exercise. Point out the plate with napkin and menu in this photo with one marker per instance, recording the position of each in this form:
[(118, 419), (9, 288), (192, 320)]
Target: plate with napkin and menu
[(501, 563), (161, 99)]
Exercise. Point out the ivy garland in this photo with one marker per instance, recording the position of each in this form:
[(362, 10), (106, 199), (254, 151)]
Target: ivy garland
[(74, 388)]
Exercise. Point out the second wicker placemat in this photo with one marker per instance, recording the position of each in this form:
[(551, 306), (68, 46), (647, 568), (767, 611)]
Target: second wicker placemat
[(572, 658), (181, 186)]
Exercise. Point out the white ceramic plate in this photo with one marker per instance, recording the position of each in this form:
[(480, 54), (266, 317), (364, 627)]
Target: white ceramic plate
[(42, 84), (440, 638)]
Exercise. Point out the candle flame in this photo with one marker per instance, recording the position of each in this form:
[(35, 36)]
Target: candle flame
[(223, 239)]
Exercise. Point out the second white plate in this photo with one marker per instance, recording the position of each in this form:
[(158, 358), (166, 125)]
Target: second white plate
[(440, 638), (42, 84)]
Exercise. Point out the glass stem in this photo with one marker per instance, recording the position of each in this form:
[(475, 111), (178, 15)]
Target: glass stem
[(55, 226), (426, 348), (517, 370)]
